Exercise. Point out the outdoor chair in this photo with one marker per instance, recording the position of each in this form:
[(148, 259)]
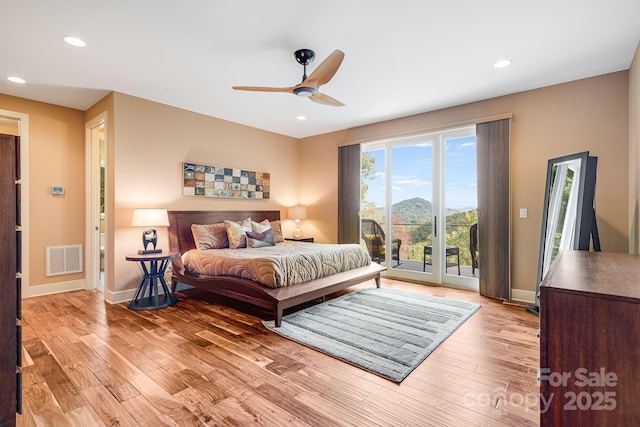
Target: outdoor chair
[(374, 237), (473, 247)]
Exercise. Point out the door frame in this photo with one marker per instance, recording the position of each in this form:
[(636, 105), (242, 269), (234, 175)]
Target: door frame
[(92, 202)]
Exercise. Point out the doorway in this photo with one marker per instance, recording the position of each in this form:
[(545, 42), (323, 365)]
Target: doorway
[(422, 192), (96, 213)]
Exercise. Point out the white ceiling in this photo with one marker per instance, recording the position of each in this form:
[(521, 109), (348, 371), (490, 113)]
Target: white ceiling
[(402, 57)]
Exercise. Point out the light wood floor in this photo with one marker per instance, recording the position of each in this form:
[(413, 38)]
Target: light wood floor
[(88, 363)]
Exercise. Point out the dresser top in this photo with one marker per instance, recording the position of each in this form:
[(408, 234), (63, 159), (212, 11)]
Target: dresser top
[(606, 273)]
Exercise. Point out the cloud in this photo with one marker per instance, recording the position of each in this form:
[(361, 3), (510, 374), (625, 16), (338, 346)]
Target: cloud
[(473, 184), (410, 180), (469, 144)]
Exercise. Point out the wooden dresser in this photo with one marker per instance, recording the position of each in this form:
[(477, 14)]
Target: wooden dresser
[(590, 340)]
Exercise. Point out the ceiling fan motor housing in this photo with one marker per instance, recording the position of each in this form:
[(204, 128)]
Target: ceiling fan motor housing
[(304, 56)]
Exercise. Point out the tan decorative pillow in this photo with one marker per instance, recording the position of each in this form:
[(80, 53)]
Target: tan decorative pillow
[(259, 227), (277, 231), (237, 233), (210, 236)]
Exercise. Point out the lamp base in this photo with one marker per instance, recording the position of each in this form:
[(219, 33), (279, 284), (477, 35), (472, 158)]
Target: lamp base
[(149, 251), (297, 233)]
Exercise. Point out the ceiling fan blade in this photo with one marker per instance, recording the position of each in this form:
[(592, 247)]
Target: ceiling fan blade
[(325, 71), (321, 98), (264, 89)]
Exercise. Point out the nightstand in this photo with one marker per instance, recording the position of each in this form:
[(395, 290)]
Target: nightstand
[(304, 239), (153, 274)]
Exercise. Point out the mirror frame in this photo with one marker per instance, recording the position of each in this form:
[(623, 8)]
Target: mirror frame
[(584, 225)]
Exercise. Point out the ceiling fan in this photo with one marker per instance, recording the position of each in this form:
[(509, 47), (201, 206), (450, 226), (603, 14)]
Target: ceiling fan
[(309, 88)]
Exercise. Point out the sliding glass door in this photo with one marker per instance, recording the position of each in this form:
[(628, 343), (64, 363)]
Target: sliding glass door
[(420, 193)]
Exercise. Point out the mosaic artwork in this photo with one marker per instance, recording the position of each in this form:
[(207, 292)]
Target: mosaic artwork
[(217, 181)]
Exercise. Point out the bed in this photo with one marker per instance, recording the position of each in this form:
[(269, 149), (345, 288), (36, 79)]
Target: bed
[(277, 299)]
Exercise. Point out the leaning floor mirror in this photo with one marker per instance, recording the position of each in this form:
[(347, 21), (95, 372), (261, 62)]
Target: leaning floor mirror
[(568, 218)]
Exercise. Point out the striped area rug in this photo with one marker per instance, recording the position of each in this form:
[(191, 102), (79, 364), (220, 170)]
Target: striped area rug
[(386, 331)]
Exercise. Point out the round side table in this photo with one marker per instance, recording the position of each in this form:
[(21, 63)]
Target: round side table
[(154, 273)]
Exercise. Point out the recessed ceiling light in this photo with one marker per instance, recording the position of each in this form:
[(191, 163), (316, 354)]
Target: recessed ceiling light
[(16, 79), (301, 117), (502, 63), (74, 41)]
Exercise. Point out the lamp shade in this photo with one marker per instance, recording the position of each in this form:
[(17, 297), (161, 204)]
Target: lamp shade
[(297, 212), (150, 218)]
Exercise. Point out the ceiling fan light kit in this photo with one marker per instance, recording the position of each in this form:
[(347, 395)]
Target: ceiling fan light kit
[(309, 87), (305, 91)]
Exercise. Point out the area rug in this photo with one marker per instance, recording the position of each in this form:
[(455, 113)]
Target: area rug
[(385, 331)]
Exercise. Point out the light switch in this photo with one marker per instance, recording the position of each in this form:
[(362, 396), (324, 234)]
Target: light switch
[(523, 212)]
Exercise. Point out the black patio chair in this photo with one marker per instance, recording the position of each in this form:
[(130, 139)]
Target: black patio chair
[(373, 235)]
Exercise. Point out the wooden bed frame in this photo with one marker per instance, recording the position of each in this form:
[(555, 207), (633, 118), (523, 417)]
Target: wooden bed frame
[(278, 299)]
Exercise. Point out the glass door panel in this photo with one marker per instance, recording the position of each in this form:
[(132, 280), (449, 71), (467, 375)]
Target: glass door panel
[(412, 204), (373, 203), (460, 206)]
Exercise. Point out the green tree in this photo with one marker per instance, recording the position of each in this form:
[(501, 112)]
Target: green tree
[(368, 173)]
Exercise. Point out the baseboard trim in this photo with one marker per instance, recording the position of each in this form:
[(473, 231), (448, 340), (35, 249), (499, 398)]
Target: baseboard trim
[(76, 285), (119, 296), (55, 288), (523, 296), (124, 296)]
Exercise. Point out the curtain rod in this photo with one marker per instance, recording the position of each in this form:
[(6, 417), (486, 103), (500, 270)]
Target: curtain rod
[(425, 130)]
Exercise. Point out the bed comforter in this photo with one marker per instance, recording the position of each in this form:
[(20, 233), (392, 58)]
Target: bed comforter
[(284, 264)]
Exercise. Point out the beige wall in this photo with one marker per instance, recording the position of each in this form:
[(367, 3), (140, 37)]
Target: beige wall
[(146, 145), (56, 158), (149, 143), (590, 114), (634, 154)]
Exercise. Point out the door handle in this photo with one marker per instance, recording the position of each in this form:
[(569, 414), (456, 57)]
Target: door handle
[(435, 226)]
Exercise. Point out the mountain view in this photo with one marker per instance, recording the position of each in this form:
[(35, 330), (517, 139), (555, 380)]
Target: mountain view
[(416, 211), (412, 223)]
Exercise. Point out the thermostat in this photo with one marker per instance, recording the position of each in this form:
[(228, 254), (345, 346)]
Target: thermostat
[(56, 191)]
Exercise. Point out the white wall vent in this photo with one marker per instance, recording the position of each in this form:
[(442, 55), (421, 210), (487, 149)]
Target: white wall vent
[(64, 260)]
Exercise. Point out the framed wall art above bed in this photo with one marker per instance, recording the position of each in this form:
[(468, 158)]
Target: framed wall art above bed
[(218, 181)]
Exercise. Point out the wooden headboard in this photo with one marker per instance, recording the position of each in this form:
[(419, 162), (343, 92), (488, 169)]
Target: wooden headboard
[(180, 236)]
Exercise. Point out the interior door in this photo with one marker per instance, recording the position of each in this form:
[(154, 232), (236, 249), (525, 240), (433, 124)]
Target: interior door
[(96, 140), (10, 268)]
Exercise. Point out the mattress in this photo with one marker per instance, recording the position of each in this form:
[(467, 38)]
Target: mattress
[(284, 264)]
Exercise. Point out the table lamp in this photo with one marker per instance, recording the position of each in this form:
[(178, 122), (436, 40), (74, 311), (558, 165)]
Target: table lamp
[(150, 218), (297, 213)]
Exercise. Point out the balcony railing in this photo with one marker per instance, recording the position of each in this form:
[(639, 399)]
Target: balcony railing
[(412, 253)]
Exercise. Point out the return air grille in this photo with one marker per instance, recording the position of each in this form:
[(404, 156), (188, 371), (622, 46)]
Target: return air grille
[(64, 260)]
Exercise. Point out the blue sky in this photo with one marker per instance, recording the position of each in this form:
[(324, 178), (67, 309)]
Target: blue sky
[(412, 173)]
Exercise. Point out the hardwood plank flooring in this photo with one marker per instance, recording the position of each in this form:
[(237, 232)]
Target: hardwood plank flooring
[(209, 362)]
